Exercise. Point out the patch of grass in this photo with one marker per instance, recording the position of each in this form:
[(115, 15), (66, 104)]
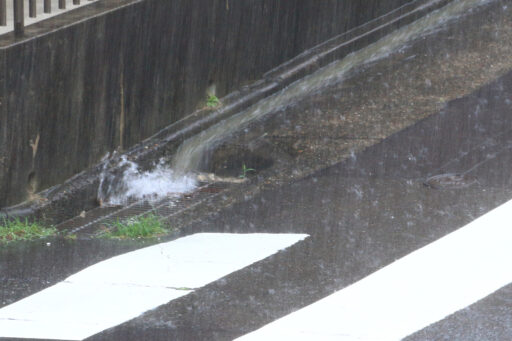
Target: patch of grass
[(148, 226), (14, 230), (245, 170), (212, 101), (71, 237)]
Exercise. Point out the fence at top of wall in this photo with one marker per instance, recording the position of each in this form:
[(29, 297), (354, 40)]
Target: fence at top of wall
[(16, 14)]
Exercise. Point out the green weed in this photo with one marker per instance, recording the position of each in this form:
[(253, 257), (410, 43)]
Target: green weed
[(212, 101), (245, 170), (148, 226), (14, 230)]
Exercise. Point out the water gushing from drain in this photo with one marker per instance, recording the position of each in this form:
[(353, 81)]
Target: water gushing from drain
[(128, 183), (192, 152)]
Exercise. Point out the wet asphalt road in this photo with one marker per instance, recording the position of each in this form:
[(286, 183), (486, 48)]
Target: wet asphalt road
[(361, 214)]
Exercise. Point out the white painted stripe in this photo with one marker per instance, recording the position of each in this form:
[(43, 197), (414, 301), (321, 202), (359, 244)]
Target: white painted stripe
[(411, 293), (121, 288)]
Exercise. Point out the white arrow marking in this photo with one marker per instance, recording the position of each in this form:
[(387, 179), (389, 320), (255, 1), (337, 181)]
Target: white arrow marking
[(411, 293), (121, 288)]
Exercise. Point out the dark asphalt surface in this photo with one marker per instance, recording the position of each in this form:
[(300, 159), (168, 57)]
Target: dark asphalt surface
[(362, 214), (489, 319)]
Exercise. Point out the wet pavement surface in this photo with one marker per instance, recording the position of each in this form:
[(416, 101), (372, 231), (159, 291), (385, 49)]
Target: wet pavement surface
[(488, 319), (361, 214), (362, 198)]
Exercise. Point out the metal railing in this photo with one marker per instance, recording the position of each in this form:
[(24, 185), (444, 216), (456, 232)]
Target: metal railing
[(19, 14)]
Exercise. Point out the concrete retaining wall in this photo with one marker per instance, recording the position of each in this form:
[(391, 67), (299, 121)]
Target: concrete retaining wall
[(73, 89)]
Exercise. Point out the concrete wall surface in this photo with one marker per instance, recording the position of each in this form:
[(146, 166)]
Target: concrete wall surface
[(106, 76)]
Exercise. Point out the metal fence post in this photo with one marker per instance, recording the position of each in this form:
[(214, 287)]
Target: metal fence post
[(3, 12), (19, 21), (32, 11), (47, 6)]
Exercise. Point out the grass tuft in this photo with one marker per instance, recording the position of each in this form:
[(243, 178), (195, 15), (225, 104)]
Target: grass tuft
[(212, 101), (148, 226), (16, 230), (245, 171)]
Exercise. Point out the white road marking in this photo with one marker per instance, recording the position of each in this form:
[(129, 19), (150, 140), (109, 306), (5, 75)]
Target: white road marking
[(40, 13), (419, 289), (121, 288)]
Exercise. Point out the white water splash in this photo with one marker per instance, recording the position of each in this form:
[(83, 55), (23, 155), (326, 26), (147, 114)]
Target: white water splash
[(128, 183)]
